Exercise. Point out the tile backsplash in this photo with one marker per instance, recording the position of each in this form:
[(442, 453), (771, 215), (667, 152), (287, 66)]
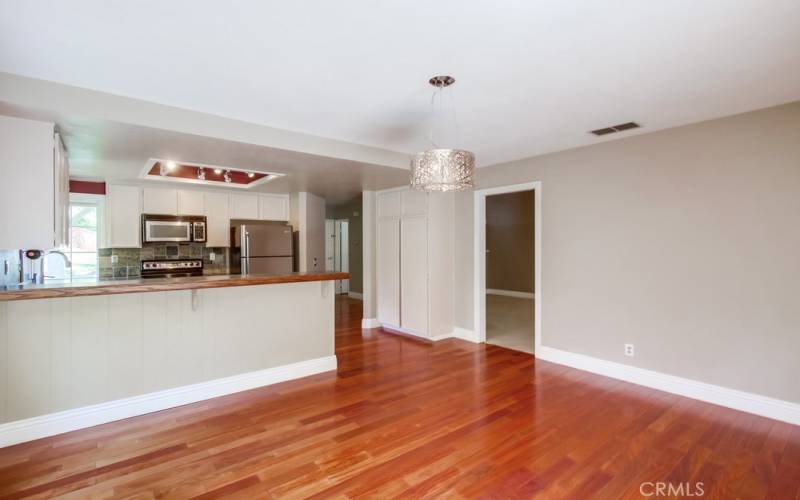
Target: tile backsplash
[(128, 264)]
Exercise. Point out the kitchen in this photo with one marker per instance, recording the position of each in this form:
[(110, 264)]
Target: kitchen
[(176, 286)]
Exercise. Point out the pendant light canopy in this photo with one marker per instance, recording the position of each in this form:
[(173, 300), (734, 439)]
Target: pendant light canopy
[(441, 169)]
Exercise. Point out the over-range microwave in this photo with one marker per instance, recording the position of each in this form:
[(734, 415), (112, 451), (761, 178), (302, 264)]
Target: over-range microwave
[(172, 228)]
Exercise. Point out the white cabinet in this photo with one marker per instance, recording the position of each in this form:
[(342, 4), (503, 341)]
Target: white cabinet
[(218, 219), (29, 186), (259, 206), (387, 270), (414, 262), (414, 202), (389, 204), (160, 201), (244, 206), (61, 194), (273, 207), (414, 273), (123, 216), (163, 201), (190, 202)]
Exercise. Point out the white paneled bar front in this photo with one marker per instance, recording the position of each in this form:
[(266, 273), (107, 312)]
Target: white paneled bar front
[(82, 354)]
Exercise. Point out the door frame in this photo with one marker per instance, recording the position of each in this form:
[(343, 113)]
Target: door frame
[(479, 260), (333, 231)]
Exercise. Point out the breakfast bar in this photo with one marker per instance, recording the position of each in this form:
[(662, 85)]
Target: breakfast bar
[(80, 354)]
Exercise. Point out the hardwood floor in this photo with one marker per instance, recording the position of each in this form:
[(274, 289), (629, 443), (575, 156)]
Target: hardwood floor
[(405, 418)]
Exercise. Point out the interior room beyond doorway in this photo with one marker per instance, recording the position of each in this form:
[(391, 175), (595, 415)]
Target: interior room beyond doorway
[(510, 261)]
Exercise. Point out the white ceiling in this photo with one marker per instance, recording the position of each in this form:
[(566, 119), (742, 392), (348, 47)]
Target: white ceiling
[(532, 76)]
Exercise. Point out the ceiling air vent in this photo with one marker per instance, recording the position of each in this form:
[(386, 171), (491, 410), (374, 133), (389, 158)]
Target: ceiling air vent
[(615, 128)]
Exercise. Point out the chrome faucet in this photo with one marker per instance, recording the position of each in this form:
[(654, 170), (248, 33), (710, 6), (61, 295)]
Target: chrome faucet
[(67, 262)]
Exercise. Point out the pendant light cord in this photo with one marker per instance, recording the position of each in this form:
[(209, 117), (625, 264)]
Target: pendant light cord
[(438, 94), (433, 114)]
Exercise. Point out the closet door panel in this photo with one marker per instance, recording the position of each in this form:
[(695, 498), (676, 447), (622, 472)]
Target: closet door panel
[(414, 274), (388, 271)]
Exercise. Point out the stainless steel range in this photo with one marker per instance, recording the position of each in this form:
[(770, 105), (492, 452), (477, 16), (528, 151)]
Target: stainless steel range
[(178, 268)]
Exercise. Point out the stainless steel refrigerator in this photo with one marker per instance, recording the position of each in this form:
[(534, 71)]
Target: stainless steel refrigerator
[(265, 249)]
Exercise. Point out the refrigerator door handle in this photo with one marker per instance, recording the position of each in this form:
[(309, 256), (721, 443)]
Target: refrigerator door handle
[(246, 257)]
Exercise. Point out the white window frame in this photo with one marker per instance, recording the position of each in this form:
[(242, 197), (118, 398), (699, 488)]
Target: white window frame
[(99, 201)]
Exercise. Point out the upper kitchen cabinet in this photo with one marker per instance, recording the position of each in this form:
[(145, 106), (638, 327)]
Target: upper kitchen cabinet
[(244, 206), (273, 207), (34, 190), (160, 201), (123, 216), (61, 194), (190, 202), (218, 219)]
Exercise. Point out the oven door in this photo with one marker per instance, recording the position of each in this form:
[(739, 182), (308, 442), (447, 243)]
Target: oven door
[(162, 230)]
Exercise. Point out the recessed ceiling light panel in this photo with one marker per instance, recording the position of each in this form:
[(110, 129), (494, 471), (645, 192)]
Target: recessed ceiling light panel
[(197, 173)]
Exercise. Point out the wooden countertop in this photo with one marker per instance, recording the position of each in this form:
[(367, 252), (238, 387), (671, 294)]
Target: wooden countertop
[(110, 287)]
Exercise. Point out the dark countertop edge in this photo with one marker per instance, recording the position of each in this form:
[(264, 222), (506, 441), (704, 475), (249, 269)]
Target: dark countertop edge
[(162, 285)]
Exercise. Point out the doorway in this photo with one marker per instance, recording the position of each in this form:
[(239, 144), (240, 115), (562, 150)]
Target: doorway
[(508, 266), (337, 258), (509, 270)]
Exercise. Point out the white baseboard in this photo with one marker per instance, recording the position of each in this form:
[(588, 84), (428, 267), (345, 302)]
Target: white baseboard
[(731, 398), (88, 416), (437, 338), (464, 334), (368, 323), (457, 333), (355, 295), (413, 333), (511, 293)]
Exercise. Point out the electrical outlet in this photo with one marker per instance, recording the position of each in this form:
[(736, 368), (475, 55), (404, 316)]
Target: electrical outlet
[(212, 256), (629, 350), (114, 259)]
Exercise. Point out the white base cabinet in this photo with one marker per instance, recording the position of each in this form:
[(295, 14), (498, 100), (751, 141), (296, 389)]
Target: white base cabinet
[(414, 263)]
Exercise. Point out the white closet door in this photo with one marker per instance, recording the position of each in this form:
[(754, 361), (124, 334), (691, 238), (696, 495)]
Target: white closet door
[(414, 274), (388, 271)]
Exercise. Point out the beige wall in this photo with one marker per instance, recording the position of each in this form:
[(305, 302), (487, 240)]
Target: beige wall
[(684, 242), (352, 212), (509, 241)]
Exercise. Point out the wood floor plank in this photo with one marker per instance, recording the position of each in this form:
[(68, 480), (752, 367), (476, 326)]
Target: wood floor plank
[(404, 418)]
